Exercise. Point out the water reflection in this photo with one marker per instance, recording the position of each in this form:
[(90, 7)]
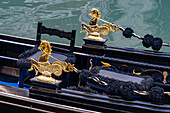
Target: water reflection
[(20, 18)]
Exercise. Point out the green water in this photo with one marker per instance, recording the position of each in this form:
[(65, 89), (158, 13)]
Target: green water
[(20, 17)]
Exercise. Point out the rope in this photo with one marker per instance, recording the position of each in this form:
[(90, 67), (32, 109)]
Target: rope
[(133, 34), (122, 29)]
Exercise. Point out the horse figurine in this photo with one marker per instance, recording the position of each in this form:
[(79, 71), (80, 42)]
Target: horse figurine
[(43, 65), (93, 27)]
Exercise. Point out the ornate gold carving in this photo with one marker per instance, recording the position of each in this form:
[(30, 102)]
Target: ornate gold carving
[(93, 28), (165, 74), (43, 65)]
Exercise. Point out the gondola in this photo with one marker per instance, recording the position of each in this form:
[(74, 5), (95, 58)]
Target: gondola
[(93, 94), (13, 98), (103, 103)]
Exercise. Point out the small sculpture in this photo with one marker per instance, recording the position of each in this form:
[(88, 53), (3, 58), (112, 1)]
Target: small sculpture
[(43, 65), (96, 30)]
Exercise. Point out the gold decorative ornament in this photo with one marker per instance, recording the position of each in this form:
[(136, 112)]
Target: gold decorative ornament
[(116, 28), (105, 64), (46, 76), (96, 30), (136, 73), (43, 65), (165, 74), (91, 64)]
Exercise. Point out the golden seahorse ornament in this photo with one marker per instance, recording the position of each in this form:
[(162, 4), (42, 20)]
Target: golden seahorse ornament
[(93, 27), (43, 65)]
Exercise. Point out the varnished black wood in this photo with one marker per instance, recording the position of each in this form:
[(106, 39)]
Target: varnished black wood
[(38, 39), (94, 102), (72, 42), (138, 59), (13, 103), (41, 29), (57, 32), (160, 58)]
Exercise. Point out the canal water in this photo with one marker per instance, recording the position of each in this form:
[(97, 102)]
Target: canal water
[(20, 18)]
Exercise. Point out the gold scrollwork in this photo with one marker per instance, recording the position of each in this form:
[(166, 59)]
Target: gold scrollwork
[(116, 28)]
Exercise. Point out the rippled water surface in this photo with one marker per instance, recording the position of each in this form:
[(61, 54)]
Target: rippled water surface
[(20, 18)]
